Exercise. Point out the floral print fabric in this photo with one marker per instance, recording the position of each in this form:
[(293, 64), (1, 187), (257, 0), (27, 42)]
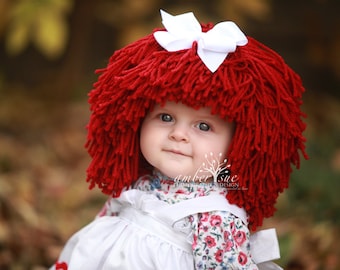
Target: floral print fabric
[(219, 239)]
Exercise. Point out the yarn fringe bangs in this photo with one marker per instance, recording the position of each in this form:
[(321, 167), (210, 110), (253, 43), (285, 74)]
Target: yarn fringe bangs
[(254, 88)]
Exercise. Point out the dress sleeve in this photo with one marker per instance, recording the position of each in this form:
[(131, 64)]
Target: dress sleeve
[(221, 241)]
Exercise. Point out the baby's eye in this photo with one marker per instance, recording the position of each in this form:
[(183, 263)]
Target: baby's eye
[(203, 126), (165, 117)]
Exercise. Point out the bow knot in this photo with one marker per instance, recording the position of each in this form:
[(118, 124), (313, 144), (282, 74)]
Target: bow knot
[(213, 45)]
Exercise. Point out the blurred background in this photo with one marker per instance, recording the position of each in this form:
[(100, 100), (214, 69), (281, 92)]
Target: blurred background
[(49, 50)]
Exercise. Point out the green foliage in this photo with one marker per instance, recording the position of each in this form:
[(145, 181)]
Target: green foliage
[(314, 189), (42, 22), (286, 244)]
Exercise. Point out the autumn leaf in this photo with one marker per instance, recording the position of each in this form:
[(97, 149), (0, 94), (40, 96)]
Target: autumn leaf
[(42, 22), (50, 33), (17, 38)]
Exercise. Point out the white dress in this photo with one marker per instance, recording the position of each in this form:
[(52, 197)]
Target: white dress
[(147, 234)]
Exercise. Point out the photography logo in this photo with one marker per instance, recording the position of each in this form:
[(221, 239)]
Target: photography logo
[(215, 170)]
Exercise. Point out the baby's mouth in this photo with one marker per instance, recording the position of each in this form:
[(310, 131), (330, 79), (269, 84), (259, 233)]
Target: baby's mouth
[(176, 152)]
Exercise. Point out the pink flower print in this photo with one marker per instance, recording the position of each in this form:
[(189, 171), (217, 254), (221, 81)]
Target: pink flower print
[(194, 243), (215, 220), (205, 217), (232, 227), (205, 228), (210, 241), (219, 255), (201, 192), (227, 246), (242, 258), (240, 237), (226, 235)]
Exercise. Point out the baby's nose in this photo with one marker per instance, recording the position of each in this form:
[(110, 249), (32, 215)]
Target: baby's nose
[(179, 133)]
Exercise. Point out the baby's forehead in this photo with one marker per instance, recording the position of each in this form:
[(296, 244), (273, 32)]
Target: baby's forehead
[(179, 106)]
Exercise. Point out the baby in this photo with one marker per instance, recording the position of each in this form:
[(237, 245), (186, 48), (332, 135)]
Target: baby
[(193, 132)]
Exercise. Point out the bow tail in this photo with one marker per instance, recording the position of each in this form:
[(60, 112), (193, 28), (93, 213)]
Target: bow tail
[(211, 59)]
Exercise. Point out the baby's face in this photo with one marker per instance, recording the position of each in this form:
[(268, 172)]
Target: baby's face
[(180, 141)]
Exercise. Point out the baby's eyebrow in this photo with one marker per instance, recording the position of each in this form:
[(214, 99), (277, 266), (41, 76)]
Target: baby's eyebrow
[(209, 116), (163, 110)]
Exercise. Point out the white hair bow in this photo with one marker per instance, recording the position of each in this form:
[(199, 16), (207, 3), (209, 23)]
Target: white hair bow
[(213, 46)]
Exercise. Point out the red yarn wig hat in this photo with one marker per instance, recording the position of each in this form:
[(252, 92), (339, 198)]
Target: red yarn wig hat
[(252, 87)]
